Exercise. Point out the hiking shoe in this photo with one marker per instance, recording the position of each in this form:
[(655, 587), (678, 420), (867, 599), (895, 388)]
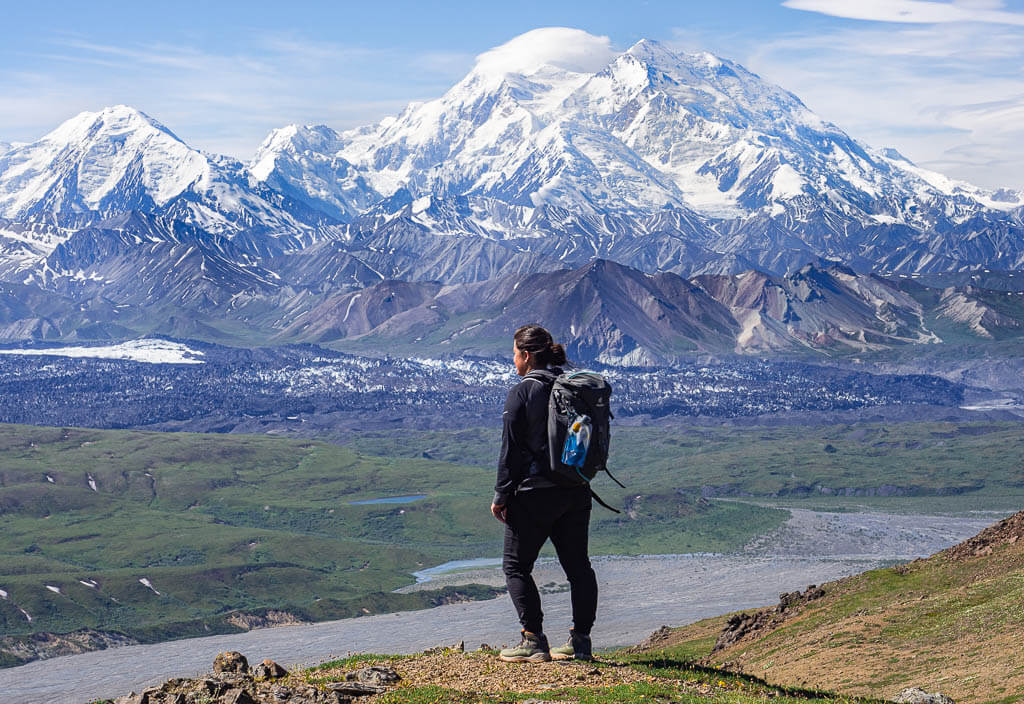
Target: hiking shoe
[(533, 648), (576, 648)]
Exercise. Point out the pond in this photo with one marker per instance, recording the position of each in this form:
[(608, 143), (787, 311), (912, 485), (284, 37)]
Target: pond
[(389, 500), (455, 566)]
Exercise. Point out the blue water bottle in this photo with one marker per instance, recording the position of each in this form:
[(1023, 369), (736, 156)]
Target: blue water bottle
[(574, 452)]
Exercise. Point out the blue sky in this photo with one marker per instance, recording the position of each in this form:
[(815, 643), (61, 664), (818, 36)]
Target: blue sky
[(941, 81)]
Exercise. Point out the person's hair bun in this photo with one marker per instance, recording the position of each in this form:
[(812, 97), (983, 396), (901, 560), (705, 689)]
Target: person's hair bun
[(539, 343), (558, 357)]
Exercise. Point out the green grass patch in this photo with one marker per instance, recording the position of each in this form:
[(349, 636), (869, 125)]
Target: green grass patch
[(220, 524)]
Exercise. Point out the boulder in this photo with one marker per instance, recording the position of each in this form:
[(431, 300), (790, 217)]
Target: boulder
[(230, 661), (209, 687), (354, 689), (375, 675), (915, 695), (280, 694), (269, 670), (237, 696)]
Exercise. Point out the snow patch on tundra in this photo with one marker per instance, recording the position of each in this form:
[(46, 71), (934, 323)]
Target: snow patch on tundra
[(148, 351)]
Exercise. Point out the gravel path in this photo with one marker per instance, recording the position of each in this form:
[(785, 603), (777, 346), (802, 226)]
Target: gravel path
[(638, 594)]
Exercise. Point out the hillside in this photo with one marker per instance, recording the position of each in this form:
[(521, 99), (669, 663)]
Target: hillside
[(454, 676), (949, 623)]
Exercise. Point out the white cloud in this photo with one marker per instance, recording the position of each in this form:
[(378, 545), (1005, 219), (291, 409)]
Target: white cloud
[(219, 101), (571, 49), (912, 11), (947, 95)]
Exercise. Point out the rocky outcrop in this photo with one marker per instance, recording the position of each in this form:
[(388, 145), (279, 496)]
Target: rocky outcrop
[(40, 646), (914, 695), (658, 639), (270, 619), (1006, 532), (233, 682), (741, 626), (230, 662)]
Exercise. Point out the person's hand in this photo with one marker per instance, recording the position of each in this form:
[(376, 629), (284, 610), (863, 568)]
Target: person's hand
[(499, 511)]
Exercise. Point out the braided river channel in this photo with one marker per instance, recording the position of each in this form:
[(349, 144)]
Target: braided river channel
[(637, 596)]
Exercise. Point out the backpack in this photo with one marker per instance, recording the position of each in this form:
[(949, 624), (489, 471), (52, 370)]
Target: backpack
[(579, 430)]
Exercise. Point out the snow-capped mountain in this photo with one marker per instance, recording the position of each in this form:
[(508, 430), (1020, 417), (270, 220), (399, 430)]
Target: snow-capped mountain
[(755, 172), (686, 167), (119, 160), (302, 162)]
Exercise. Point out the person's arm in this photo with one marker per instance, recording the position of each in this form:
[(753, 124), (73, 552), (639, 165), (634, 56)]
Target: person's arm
[(514, 458)]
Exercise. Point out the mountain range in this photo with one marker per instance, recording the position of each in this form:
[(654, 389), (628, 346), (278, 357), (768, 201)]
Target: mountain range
[(709, 187)]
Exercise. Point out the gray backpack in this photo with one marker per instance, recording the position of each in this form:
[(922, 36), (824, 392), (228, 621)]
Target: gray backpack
[(579, 432)]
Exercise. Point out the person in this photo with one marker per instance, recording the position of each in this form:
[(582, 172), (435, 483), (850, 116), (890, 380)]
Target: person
[(534, 507)]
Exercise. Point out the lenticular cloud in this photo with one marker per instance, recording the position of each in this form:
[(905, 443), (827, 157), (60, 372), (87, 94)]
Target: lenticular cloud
[(571, 49)]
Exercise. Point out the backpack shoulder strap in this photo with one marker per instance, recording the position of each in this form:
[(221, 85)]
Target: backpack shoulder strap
[(600, 501), (543, 375)]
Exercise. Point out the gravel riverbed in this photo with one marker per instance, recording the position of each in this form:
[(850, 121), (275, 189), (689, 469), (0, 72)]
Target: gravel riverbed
[(638, 595)]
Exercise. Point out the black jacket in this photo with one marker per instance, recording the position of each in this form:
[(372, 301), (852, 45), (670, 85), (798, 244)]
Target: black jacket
[(524, 462)]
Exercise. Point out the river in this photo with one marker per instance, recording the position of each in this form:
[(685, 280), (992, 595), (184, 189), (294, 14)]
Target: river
[(638, 595)]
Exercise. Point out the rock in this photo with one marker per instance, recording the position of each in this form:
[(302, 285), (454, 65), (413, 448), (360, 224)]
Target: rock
[(374, 675), (230, 661), (237, 696), (654, 640), (915, 695), (280, 694), (269, 670), (742, 626), (232, 680), (211, 688), (355, 689), (175, 683), (459, 647)]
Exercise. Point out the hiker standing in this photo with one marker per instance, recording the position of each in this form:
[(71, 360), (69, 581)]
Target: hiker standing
[(534, 507)]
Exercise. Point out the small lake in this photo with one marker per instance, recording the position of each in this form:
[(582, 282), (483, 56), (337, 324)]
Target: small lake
[(389, 500)]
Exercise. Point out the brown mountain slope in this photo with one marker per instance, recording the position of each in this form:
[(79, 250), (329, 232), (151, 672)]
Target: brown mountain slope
[(952, 623)]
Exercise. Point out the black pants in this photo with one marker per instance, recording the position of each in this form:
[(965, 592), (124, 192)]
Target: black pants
[(564, 516)]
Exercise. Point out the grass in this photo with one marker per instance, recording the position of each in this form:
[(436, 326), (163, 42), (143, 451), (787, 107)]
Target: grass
[(221, 524), (225, 524), (948, 623), (948, 466), (667, 675)]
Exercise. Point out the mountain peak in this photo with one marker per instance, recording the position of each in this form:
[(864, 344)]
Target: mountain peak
[(649, 49), (113, 120)]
